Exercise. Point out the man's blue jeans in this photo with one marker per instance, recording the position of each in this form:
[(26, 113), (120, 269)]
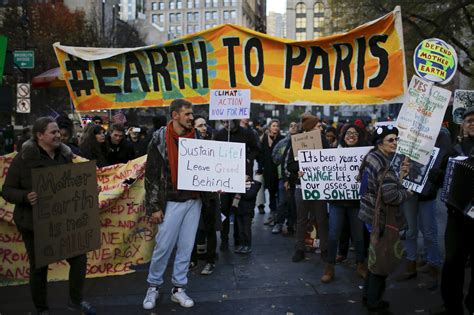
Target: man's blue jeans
[(421, 215), (336, 223), (178, 228)]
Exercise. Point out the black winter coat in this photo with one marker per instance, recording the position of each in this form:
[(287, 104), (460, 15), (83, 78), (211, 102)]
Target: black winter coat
[(18, 183)]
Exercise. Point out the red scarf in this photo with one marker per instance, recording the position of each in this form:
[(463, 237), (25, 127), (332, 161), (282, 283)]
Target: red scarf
[(171, 138)]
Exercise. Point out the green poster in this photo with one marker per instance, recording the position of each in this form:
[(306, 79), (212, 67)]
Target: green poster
[(3, 52)]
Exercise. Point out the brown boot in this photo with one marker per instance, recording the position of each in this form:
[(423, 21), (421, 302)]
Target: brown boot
[(410, 272), (434, 275), (328, 274), (361, 270)]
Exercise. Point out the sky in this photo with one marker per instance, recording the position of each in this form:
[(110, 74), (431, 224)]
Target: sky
[(278, 6)]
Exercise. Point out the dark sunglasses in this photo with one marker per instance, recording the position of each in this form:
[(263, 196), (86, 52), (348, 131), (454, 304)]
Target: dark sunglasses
[(393, 140)]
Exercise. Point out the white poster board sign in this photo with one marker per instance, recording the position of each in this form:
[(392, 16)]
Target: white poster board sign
[(420, 118), (205, 165), (229, 104), (330, 174), (463, 99)]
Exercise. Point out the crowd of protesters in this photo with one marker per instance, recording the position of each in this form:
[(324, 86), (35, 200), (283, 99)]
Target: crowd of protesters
[(191, 220)]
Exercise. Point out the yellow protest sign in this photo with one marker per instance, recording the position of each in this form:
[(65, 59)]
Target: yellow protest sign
[(127, 238), (363, 66)]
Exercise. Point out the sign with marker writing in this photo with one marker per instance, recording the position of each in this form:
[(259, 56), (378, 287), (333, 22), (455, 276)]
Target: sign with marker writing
[(205, 165), (229, 104), (330, 174), (66, 217), (306, 141)]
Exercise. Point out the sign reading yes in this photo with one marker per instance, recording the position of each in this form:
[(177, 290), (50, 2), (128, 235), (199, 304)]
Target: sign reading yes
[(205, 165)]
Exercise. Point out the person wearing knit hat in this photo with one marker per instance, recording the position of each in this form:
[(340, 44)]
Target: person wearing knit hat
[(308, 122), (317, 208), (382, 131)]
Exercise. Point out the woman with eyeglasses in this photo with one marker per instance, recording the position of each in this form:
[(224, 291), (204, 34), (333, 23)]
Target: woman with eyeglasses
[(351, 136), (374, 166)]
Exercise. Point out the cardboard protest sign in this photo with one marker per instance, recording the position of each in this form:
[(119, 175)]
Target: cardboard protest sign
[(330, 174), (435, 60), (306, 141), (229, 104), (363, 66), (463, 99), (420, 118), (205, 165), (127, 237), (418, 174), (66, 216)]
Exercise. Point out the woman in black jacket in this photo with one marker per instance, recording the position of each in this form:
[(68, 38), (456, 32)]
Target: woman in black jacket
[(93, 145)]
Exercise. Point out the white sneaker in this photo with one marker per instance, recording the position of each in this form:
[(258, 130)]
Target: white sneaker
[(152, 295), (182, 298), (208, 269)]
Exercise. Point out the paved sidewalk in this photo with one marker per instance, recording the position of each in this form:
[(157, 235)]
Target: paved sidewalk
[(265, 282)]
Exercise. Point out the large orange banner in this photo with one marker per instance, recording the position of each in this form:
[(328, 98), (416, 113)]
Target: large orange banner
[(363, 66)]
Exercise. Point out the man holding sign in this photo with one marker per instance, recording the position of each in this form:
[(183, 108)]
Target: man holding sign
[(43, 150), (176, 211)]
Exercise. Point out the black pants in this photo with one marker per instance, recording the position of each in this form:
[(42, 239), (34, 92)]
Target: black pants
[(226, 203), (39, 277), (459, 244), (286, 206), (374, 288), (244, 225), (207, 234)]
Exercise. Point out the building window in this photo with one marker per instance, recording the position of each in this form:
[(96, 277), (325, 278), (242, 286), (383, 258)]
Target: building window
[(161, 18), (226, 3), (196, 16), (179, 4), (318, 34), (208, 3), (208, 15), (214, 3), (226, 15), (196, 28), (318, 22), (318, 8), (189, 29), (208, 26), (172, 5), (172, 18), (173, 31), (190, 4), (301, 36), (161, 5), (233, 14), (214, 15), (196, 3), (234, 3), (154, 6), (300, 22), (301, 8), (178, 17), (154, 18), (189, 16), (179, 30)]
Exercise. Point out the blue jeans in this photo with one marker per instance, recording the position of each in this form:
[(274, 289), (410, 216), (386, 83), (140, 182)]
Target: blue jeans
[(421, 215), (336, 223), (179, 227)]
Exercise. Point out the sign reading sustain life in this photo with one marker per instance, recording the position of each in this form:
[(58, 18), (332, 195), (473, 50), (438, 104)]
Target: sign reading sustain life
[(205, 165), (363, 66), (435, 61), (330, 174), (420, 118), (229, 104), (66, 217)]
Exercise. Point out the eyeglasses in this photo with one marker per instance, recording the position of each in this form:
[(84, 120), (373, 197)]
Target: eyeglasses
[(391, 140), (350, 134)]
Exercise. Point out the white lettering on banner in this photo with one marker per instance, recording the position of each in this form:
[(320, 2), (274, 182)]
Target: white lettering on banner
[(205, 165), (229, 104), (330, 174)]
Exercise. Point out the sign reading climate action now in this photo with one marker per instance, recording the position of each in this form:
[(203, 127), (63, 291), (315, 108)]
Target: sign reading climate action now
[(205, 165), (66, 217), (363, 66), (330, 174)]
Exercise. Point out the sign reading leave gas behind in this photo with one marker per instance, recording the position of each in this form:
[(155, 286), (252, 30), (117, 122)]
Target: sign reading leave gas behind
[(330, 174), (66, 217), (205, 165)]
